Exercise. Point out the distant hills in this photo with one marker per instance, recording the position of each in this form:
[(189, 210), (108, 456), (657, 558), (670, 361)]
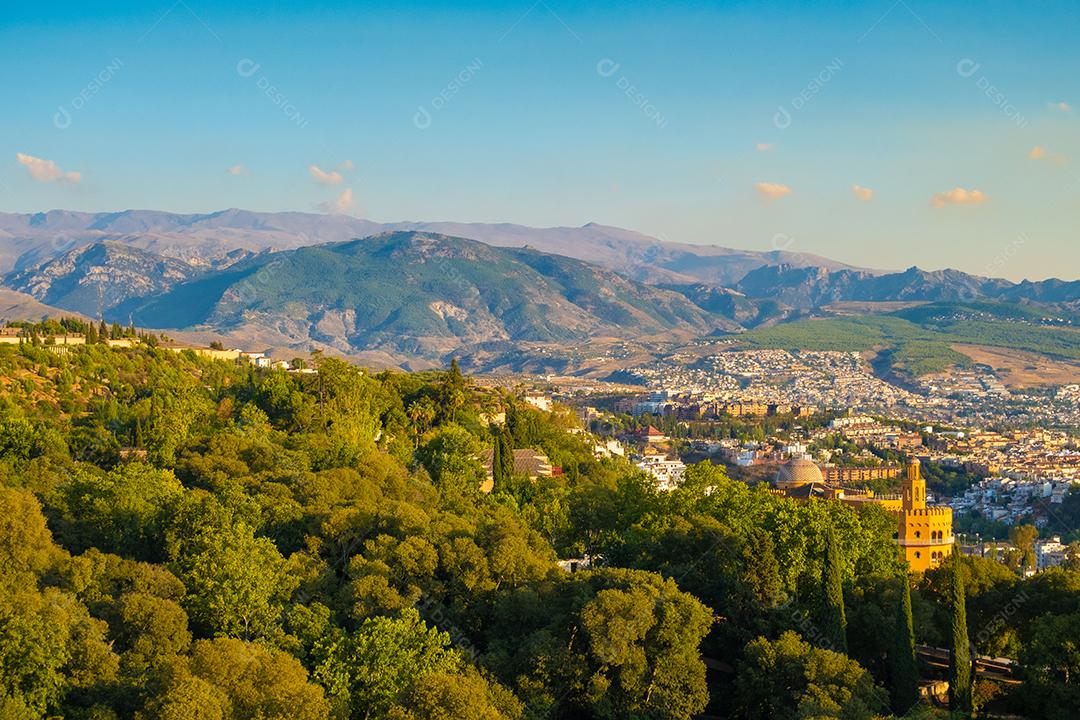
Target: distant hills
[(921, 339), (28, 239), (429, 290), (421, 294), (15, 305), (817, 286), (94, 278)]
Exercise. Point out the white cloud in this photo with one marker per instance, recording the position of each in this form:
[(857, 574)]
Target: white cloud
[(236, 170), (1039, 153), (864, 194), (764, 147), (341, 205), (46, 170), (958, 196), (772, 191), (1062, 106), (325, 178), (347, 165)]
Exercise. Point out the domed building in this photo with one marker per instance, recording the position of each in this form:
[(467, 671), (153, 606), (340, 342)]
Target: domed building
[(798, 472), (924, 534)]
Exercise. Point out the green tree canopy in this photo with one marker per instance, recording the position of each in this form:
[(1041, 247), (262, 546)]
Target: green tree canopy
[(788, 678)]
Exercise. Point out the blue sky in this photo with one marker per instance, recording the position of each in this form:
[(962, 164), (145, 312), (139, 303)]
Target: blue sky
[(884, 134)]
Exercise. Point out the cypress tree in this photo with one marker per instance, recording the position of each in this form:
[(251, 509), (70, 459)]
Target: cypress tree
[(833, 619), (91, 334), (496, 460), (960, 682), (502, 459), (506, 455), (903, 670)]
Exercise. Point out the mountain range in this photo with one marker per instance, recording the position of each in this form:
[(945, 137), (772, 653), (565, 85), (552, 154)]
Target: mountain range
[(28, 239), (97, 277), (422, 294), (407, 291)]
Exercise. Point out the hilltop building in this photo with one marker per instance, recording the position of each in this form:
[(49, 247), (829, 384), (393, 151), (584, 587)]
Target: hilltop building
[(924, 534), (540, 402), (802, 479), (667, 472), (651, 436), (608, 448), (527, 462)]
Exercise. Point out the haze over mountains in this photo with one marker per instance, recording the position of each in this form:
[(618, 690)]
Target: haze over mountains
[(427, 290), (27, 239)]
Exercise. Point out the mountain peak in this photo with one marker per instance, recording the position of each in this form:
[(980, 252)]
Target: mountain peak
[(424, 294)]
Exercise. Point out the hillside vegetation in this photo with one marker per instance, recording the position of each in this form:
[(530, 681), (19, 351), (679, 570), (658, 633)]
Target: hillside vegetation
[(188, 538), (421, 294), (918, 339)]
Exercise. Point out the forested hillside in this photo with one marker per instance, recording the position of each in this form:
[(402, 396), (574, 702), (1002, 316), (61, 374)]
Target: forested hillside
[(185, 538), (419, 294)]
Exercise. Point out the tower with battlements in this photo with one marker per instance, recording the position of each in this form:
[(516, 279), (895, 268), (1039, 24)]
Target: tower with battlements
[(924, 533)]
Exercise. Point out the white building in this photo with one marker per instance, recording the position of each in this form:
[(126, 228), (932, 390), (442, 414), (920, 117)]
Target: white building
[(668, 473), (795, 450), (258, 358), (540, 402), (745, 458), (1050, 553), (609, 448)]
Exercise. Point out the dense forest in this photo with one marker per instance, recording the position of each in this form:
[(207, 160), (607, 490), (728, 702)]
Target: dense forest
[(184, 538)]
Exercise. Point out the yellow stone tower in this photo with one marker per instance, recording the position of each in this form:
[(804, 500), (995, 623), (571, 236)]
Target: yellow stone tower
[(924, 534)]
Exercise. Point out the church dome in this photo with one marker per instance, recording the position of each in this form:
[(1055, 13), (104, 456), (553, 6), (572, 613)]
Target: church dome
[(798, 472)]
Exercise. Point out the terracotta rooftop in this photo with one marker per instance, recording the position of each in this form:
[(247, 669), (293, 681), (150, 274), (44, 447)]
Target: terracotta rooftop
[(526, 462)]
